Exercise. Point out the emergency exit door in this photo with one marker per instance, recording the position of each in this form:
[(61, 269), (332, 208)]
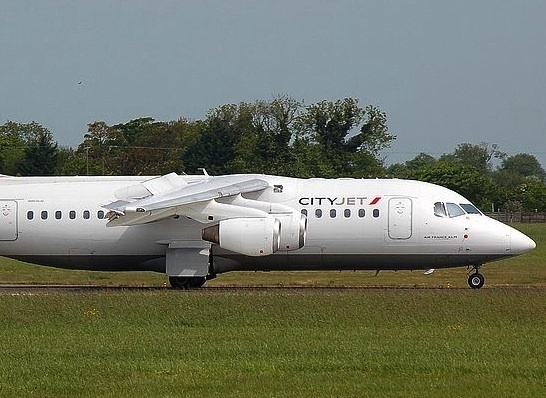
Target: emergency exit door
[(400, 218), (8, 220)]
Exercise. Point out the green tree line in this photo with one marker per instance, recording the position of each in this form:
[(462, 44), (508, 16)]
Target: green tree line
[(281, 136)]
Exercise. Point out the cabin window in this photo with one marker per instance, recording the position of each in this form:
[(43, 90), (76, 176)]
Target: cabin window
[(72, 214), (304, 212), (58, 215), (318, 213), (347, 213), (43, 215), (454, 210), (30, 215), (440, 210), (333, 213), (470, 209), (375, 213), (100, 214), (86, 214), (361, 213)]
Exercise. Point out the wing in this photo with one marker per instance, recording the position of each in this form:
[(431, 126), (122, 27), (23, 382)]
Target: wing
[(168, 196), (246, 226)]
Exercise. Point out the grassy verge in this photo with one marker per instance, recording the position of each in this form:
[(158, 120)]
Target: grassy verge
[(526, 270), (292, 343)]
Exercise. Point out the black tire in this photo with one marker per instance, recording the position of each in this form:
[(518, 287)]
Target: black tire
[(476, 280), (196, 281), (184, 283), (178, 282)]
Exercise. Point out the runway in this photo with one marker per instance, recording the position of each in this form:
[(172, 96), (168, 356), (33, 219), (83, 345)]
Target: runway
[(37, 289)]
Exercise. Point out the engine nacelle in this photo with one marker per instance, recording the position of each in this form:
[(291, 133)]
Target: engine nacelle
[(249, 236), (293, 231)]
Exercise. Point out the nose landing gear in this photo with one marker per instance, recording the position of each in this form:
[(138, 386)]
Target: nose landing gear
[(475, 279)]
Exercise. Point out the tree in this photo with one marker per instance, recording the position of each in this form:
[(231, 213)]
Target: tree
[(266, 143), (524, 165), (410, 167), (27, 149), (214, 147), (333, 126), (96, 146), (247, 138), (70, 162), (532, 195), (465, 180), (40, 156), (478, 156)]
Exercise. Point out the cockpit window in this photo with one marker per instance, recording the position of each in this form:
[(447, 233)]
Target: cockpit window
[(470, 209), (454, 210), (440, 210)]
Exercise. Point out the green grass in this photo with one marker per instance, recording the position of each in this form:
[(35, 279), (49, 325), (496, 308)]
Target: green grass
[(526, 270), (286, 343)]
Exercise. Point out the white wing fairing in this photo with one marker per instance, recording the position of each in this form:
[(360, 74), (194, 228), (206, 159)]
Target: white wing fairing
[(245, 226)]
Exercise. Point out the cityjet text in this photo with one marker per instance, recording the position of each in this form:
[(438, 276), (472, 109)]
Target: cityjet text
[(347, 201)]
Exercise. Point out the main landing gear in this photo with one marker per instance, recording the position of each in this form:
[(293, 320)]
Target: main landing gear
[(475, 279), (183, 282)]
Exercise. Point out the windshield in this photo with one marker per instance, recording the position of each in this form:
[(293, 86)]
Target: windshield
[(470, 209), (454, 210), (440, 210)]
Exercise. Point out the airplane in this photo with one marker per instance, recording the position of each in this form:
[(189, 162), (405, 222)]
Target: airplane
[(195, 227)]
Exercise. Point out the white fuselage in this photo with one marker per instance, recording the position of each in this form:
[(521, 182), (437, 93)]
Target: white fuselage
[(352, 224)]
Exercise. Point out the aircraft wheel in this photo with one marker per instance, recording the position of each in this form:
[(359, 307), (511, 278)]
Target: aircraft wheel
[(196, 281), (180, 282), (476, 280)]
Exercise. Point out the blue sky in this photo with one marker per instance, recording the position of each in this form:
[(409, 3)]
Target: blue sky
[(445, 72)]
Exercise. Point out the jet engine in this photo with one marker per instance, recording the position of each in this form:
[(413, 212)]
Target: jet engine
[(293, 231), (250, 236), (259, 236)]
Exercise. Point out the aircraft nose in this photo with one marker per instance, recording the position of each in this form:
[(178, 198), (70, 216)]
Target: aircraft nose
[(520, 243)]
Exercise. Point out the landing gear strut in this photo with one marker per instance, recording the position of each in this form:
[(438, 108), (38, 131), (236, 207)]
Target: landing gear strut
[(476, 280), (183, 282)]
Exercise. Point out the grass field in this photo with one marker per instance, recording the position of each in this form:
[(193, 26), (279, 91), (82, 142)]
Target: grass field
[(279, 342), (287, 343)]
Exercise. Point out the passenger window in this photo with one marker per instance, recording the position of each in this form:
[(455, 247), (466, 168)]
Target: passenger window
[(72, 215), (454, 210), (86, 214), (58, 215), (347, 213), (304, 212), (318, 213), (361, 213), (333, 213), (439, 210), (43, 215), (30, 215), (375, 213), (100, 214)]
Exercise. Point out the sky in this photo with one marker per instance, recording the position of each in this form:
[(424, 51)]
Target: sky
[(445, 72)]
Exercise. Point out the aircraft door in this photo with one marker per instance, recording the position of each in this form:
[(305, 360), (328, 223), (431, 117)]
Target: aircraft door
[(8, 220), (400, 218)]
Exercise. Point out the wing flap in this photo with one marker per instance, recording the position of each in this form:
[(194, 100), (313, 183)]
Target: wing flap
[(165, 203)]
